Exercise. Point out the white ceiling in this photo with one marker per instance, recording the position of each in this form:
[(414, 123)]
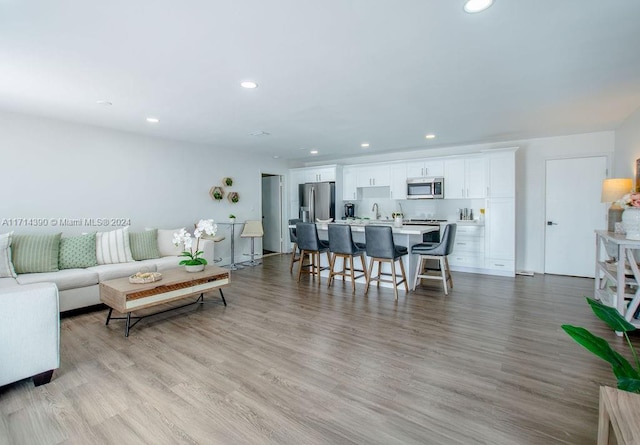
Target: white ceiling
[(331, 73)]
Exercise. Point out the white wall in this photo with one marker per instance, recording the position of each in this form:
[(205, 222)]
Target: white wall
[(54, 170), (530, 184), (627, 146)]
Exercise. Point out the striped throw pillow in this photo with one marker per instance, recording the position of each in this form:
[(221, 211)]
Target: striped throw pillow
[(6, 266), (144, 245), (35, 253), (113, 247)]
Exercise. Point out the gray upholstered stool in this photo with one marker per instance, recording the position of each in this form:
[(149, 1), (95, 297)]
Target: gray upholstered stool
[(310, 244), (382, 249), (436, 251), (295, 257), (341, 245)]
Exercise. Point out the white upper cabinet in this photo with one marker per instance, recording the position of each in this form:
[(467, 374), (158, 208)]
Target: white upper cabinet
[(320, 174), (349, 187), (464, 178), (501, 174), (373, 176), (398, 185), (424, 168)]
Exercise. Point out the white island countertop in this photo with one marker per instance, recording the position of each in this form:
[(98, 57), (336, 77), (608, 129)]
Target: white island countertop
[(404, 230)]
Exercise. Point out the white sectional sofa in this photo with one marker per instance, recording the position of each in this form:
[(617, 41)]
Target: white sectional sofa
[(30, 332), (78, 287)]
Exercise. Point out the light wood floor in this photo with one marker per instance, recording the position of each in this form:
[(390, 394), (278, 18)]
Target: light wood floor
[(297, 363)]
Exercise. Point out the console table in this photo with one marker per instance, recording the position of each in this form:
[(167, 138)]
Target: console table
[(612, 269)]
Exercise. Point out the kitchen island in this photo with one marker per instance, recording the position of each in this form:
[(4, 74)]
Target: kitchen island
[(407, 235)]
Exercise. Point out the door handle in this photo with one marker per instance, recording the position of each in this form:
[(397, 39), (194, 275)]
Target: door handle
[(551, 223)]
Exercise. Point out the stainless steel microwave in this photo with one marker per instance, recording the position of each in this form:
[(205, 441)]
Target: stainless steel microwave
[(425, 188)]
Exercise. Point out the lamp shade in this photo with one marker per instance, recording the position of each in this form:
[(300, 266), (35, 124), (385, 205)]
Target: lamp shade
[(615, 188)]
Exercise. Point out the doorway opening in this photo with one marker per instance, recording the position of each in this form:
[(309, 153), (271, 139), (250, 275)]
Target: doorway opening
[(272, 214)]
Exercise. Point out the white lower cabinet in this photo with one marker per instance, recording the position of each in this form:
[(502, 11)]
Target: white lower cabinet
[(500, 242), (468, 247)]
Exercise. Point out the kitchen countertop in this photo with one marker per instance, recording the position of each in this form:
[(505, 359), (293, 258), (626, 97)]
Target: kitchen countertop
[(404, 230)]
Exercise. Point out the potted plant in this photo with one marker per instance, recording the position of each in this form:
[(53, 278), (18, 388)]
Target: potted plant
[(232, 218), (233, 197), (193, 261), (227, 181), (216, 193), (627, 375)]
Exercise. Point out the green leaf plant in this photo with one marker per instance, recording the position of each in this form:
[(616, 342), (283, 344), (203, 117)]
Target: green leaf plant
[(628, 377)]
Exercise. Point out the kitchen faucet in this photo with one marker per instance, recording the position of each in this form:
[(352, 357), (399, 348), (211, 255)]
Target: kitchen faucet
[(376, 209)]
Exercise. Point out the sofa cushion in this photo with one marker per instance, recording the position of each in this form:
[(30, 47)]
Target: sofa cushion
[(8, 282), (77, 252), (64, 279), (111, 271), (165, 242), (162, 264), (113, 247), (35, 253), (144, 245), (6, 266)]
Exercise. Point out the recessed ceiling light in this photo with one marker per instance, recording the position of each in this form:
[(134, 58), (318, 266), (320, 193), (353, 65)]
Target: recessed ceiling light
[(250, 84), (276, 157), (364, 144), (260, 133), (153, 120), (314, 152), (106, 103), (473, 6), (430, 136)]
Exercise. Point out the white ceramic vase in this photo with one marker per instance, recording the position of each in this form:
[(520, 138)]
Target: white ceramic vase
[(631, 222), (196, 268)]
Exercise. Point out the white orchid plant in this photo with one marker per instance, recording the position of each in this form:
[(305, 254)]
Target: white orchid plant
[(204, 226)]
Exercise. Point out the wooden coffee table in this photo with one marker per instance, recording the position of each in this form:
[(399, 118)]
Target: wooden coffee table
[(176, 284)]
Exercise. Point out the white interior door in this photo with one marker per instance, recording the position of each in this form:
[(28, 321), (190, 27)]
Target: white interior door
[(573, 212), (271, 211)]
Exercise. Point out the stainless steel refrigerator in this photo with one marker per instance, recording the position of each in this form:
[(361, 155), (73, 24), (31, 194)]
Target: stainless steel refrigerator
[(317, 201)]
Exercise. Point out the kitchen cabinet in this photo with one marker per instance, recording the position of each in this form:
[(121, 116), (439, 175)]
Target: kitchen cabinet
[(349, 187), (468, 247), (373, 176), (398, 185), (424, 168), (464, 178), (501, 174), (320, 174), (500, 242)]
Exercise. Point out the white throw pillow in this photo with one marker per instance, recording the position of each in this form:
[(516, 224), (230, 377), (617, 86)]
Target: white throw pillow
[(6, 266), (113, 247), (165, 242)]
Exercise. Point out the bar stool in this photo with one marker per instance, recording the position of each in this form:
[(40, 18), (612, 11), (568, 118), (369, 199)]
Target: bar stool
[(218, 239), (310, 244), (341, 245), (382, 249), (436, 251), (294, 239), (253, 230)]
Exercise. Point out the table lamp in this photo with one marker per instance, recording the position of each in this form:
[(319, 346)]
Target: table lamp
[(612, 190)]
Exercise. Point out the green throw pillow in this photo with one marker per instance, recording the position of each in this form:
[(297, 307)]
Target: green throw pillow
[(78, 252), (35, 253), (144, 245)]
